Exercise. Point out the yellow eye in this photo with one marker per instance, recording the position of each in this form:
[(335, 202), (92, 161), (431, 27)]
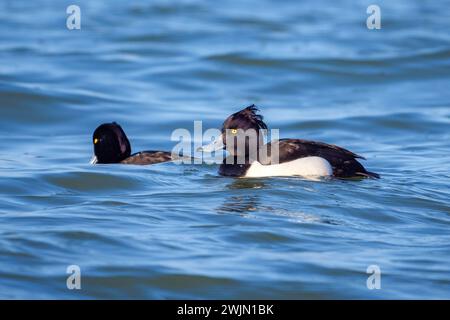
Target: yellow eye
[(95, 141), (233, 131)]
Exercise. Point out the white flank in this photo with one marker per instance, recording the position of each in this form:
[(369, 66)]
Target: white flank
[(309, 166)]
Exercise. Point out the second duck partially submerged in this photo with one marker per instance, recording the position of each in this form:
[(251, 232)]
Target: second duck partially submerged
[(111, 145)]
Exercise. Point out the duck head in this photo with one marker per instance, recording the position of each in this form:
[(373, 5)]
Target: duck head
[(241, 133), (111, 144)]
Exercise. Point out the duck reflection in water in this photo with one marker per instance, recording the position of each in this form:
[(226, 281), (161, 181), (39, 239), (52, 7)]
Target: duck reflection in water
[(242, 203)]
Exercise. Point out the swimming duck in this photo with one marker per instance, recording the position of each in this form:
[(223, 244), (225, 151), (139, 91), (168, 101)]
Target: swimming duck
[(295, 157), (111, 145)]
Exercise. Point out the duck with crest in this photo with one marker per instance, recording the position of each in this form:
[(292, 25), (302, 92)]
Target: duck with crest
[(294, 157)]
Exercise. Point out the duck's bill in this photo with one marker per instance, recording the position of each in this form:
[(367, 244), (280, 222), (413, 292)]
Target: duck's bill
[(213, 146), (94, 160)]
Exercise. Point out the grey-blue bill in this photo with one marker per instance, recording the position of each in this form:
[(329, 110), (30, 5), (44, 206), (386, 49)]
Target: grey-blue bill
[(215, 145)]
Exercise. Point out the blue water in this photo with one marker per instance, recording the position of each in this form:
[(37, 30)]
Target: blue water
[(171, 231)]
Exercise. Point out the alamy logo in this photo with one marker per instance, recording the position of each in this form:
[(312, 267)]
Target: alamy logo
[(242, 146), (74, 280), (374, 20), (374, 280), (73, 21)]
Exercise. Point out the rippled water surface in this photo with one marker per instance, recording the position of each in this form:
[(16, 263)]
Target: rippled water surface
[(170, 231)]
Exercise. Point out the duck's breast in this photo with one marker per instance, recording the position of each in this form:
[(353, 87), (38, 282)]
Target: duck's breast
[(308, 166)]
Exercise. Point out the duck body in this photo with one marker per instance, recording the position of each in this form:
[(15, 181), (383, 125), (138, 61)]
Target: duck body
[(148, 157), (293, 157), (297, 157)]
